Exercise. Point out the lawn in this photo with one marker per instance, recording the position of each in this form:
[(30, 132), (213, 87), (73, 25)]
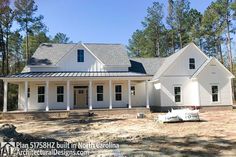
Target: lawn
[(215, 135)]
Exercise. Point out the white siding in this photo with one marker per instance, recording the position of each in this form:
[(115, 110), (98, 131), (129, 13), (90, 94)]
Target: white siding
[(33, 99), (156, 94), (69, 63), (105, 102), (180, 67), (138, 100), (189, 91), (214, 75), (20, 96)]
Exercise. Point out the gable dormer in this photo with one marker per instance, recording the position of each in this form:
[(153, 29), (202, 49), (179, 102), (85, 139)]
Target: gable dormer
[(80, 57)]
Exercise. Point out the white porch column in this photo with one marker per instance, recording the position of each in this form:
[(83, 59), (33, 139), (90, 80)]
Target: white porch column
[(129, 94), (26, 97), (147, 94), (5, 96), (90, 95), (110, 94), (67, 95), (46, 96)]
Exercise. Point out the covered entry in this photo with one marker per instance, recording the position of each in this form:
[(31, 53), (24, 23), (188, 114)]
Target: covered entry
[(80, 97)]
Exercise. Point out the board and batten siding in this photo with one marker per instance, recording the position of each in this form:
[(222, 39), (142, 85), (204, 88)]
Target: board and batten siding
[(214, 75), (180, 67), (179, 74), (69, 63), (52, 98), (189, 91)]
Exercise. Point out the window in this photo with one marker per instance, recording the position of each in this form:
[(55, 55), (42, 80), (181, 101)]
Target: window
[(80, 56), (177, 93), (28, 93), (191, 63), (132, 90), (214, 91), (118, 92), (81, 91), (41, 94), (99, 93), (60, 93)]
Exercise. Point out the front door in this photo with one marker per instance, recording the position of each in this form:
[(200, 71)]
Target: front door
[(81, 97)]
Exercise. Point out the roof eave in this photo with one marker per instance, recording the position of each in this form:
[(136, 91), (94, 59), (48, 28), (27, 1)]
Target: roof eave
[(125, 65), (42, 66)]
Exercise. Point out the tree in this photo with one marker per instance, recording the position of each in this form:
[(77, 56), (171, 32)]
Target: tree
[(15, 49), (233, 7), (137, 46), (194, 26), (25, 16), (217, 22), (150, 42), (6, 19), (228, 19), (171, 23), (34, 40), (7, 24), (212, 28), (60, 38), (177, 20), (154, 27)]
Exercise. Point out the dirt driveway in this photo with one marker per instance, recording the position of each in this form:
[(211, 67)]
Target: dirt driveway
[(215, 135)]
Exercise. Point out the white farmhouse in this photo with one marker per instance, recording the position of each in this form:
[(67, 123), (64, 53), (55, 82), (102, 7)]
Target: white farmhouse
[(101, 76)]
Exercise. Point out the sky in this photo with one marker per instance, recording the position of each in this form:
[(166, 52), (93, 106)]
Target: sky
[(100, 21)]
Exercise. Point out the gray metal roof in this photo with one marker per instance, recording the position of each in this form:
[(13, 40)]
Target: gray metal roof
[(76, 74), (109, 54), (146, 65)]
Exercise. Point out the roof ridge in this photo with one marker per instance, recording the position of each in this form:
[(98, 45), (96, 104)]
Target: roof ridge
[(104, 43), (147, 57), (58, 43)]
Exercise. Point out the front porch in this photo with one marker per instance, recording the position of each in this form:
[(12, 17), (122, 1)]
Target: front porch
[(47, 94)]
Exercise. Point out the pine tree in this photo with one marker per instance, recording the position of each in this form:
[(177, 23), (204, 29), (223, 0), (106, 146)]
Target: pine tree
[(25, 16), (61, 38), (16, 52), (150, 42), (6, 19), (34, 40), (178, 11)]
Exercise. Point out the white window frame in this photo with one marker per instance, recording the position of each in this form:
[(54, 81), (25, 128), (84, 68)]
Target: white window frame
[(118, 92), (60, 93), (181, 94), (218, 93), (41, 94), (100, 93)]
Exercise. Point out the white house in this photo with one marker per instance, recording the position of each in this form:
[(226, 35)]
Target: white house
[(94, 76)]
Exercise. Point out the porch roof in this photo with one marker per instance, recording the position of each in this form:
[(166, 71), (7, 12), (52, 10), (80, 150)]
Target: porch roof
[(76, 74)]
